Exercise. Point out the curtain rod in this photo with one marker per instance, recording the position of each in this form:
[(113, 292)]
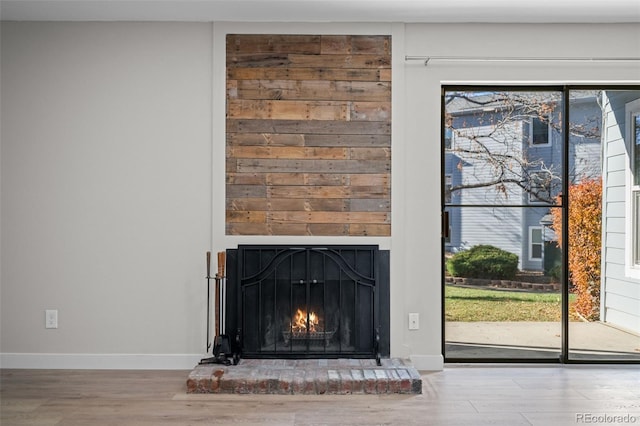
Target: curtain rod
[(427, 59)]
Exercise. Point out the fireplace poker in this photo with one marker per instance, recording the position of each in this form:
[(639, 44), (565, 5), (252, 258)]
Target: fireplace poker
[(218, 280), (221, 344), (208, 300)]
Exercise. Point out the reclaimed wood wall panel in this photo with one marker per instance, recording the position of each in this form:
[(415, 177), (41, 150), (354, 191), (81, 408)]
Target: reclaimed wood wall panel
[(308, 146), (311, 89)]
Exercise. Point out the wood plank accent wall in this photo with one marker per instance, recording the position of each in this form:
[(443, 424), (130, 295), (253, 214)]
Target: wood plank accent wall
[(308, 135)]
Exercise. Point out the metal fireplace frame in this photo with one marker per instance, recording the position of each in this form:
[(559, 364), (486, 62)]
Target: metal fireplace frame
[(377, 279)]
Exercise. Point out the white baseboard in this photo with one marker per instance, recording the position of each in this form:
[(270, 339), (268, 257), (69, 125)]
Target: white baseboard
[(143, 361), (427, 362), (100, 361)]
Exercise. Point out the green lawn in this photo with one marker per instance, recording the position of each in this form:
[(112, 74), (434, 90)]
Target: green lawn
[(474, 304)]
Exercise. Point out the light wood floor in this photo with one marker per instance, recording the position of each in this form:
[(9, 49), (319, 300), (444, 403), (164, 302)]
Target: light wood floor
[(459, 395)]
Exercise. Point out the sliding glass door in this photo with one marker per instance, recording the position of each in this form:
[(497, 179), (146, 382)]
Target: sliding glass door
[(604, 278), (521, 266), (503, 165)]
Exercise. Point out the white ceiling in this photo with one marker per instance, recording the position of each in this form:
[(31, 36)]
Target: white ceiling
[(503, 11)]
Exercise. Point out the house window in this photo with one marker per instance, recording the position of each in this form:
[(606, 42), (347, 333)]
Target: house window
[(539, 187), (447, 188), (448, 137), (632, 199), (535, 243), (635, 188), (539, 131), (636, 234)]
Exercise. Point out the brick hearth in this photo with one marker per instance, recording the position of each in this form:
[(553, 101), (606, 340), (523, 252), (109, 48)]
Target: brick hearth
[(307, 376)]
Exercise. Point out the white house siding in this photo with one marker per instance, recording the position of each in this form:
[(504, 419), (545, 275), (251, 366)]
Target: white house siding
[(584, 152), (620, 297), (497, 226)]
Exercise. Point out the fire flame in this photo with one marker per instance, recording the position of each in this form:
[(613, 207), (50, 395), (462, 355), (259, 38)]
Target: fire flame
[(300, 323)]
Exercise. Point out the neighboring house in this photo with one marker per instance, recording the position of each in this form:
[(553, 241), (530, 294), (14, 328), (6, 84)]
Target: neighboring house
[(523, 169), (620, 288)]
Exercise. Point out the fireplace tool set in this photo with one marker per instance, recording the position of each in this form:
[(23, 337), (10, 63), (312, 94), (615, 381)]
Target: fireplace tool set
[(221, 343)]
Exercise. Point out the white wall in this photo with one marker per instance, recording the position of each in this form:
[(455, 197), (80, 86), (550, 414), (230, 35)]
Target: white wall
[(106, 192), (113, 150)]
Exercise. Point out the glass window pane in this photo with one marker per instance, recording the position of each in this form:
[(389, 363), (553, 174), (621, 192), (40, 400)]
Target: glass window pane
[(601, 305), (501, 304), (536, 236), (536, 251), (448, 135), (636, 136), (636, 214), (540, 131), (447, 189), (493, 160)]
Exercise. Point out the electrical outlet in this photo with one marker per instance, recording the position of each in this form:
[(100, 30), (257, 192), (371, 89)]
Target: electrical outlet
[(414, 321), (51, 318)]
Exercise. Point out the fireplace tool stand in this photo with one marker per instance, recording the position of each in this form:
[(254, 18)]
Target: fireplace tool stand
[(221, 344)]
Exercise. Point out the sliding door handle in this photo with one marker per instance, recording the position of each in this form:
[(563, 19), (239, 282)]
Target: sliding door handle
[(445, 224)]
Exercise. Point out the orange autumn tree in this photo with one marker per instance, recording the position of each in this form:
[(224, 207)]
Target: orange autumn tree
[(585, 243)]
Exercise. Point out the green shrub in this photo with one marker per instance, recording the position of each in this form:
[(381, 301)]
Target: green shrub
[(556, 273), (483, 261)]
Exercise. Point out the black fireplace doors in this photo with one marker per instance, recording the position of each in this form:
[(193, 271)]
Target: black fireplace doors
[(308, 301)]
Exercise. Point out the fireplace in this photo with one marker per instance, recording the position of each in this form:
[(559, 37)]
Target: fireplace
[(308, 301)]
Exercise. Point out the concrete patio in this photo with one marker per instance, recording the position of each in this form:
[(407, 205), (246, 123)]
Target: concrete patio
[(587, 340)]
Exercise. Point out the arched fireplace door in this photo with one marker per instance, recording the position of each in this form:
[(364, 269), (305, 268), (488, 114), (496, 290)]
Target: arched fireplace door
[(308, 301)]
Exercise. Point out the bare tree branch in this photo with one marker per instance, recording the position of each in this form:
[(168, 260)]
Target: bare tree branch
[(493, 144)]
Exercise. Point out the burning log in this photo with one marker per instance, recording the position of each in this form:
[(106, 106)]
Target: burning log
[(306, 327)]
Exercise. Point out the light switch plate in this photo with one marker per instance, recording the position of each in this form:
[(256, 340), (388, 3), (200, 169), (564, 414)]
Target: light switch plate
[(414, 321), (51, 318)]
